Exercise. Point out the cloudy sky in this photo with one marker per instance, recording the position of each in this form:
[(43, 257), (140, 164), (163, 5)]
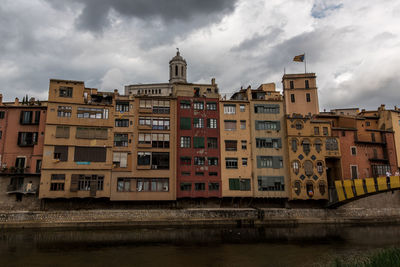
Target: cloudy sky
[(352, 45)]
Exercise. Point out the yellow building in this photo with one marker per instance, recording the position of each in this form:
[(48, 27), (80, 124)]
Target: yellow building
[(77, 154), (235, 144), (311, 151), (300, 93)]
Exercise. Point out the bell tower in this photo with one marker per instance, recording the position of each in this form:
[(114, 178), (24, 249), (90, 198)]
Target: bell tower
[(177, 69)]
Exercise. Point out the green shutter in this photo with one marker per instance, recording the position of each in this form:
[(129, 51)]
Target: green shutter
[(198, 142), (185, 124), (278, 125), (246, 185), (234, 184), (279, 143), (275, 162), (258, 162), (257, 125)]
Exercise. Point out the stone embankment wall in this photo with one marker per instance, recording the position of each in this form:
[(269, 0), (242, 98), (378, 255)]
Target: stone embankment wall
[(199, 217)]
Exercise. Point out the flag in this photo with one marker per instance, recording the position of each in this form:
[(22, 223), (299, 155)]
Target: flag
[(299, 58)]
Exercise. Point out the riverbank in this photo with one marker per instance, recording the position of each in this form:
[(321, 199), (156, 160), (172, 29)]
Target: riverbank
[(196, 217)]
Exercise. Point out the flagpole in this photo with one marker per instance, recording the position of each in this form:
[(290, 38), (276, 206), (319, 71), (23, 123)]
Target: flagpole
[(305, 63)]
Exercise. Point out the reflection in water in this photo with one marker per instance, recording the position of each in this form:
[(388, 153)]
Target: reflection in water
[(258, 246)]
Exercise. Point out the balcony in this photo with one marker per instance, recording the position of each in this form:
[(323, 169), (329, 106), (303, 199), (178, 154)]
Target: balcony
[(145, 110), (23, 189)]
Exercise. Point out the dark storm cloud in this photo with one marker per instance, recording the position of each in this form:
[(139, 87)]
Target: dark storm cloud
[(95, 13), (258, 40)]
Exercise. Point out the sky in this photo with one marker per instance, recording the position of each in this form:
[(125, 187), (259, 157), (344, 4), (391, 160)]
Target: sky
[(352, 45)]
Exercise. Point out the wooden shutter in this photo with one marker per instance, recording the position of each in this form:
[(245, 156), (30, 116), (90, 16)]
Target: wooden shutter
[(74, 183), (185, 124), (124, 160), (278, 125), (279, 143), (93, 186), (63, 150), (276, 162)]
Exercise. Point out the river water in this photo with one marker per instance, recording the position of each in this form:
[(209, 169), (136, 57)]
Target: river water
[(309, 245)]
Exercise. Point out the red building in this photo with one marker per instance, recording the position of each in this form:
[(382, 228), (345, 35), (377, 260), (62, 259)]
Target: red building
[(22, 127), (366, 150), (198, 151)]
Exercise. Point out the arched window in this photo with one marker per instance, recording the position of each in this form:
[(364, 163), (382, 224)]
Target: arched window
[(294, 145), (296, 166), (310, 189), (182, 71), (308, 167), (320, 167), (306, 146), (176, 70), (331, 144), (318, 145), (298, 125), (322, 187), (297, 187)]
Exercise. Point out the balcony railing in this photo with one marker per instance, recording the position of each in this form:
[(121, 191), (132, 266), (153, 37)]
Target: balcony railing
[(24, 189)]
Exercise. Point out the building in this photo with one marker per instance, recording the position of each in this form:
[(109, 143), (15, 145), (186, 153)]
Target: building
[(22, 127), (235, 146), (314, 156), (267, 135), (78, 145), (300, 93)]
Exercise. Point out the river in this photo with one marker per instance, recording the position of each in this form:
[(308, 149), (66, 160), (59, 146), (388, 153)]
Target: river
[(307, 245)]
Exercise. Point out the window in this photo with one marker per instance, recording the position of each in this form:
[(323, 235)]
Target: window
[(186, 161), (144, 138), (230, 125), (212, 123), (308, 97), (185, 104), (145, 121), (318, 145), (152, 184), (212, 142), (62, 132), (186, 187), (373, 137), (378, 170), (242, 108), (38, 166), (244, 144), (143, 158), (295, 166), (230, 145), (65, 91), (92, 113), (198, 142), (229, 109), (211, 106), (199, 161), (145, 103), (244, 161), (121, 122), (160, 140), (213, 186), (292, 99), (199, 186), (120, 159), (331, 144), (91, 133), (354, 171), (64, 111), (275, 162), (161, 107), (320, 167), (316, 130), (121, 140), (185, 173), (271, 183), (26, 117), (198, 105), (121, 106), (268, 143), (291, 84), (307, 85), (306, 146), (90, 182), (367, 123), (266, 108), (231, 163), (160, 160), (199, 173), (239, 184), (268, 125), (353, 150), (294, 145), (160, 123), (243, 125), (212, 161), (198, 123), (185, 141), (2, 113), (213, 174), (308, 167), (185, 124), (90, 154), (1, 134), (325, 131), (27, 138), (60, 153), (124, 184), (298, 125), (57, 182)]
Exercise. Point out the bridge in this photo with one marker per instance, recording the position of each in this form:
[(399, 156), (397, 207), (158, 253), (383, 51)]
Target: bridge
[(349, 190)]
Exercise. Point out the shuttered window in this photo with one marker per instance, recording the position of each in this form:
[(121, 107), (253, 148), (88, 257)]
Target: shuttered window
[(230, 125), (120, 159), (268, 143), (90, 154), (62, 132), (271, 183), (266, 108), (185, 124), (230, 145), (61, 153), (275, 162), (198, 142), (268, 125), (239, 184), (91, 133)]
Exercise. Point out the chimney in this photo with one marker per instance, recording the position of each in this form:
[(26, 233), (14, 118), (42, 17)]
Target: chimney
[(16, 101), (1, 99), (213, 81), (116, 92), (395, 107)]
